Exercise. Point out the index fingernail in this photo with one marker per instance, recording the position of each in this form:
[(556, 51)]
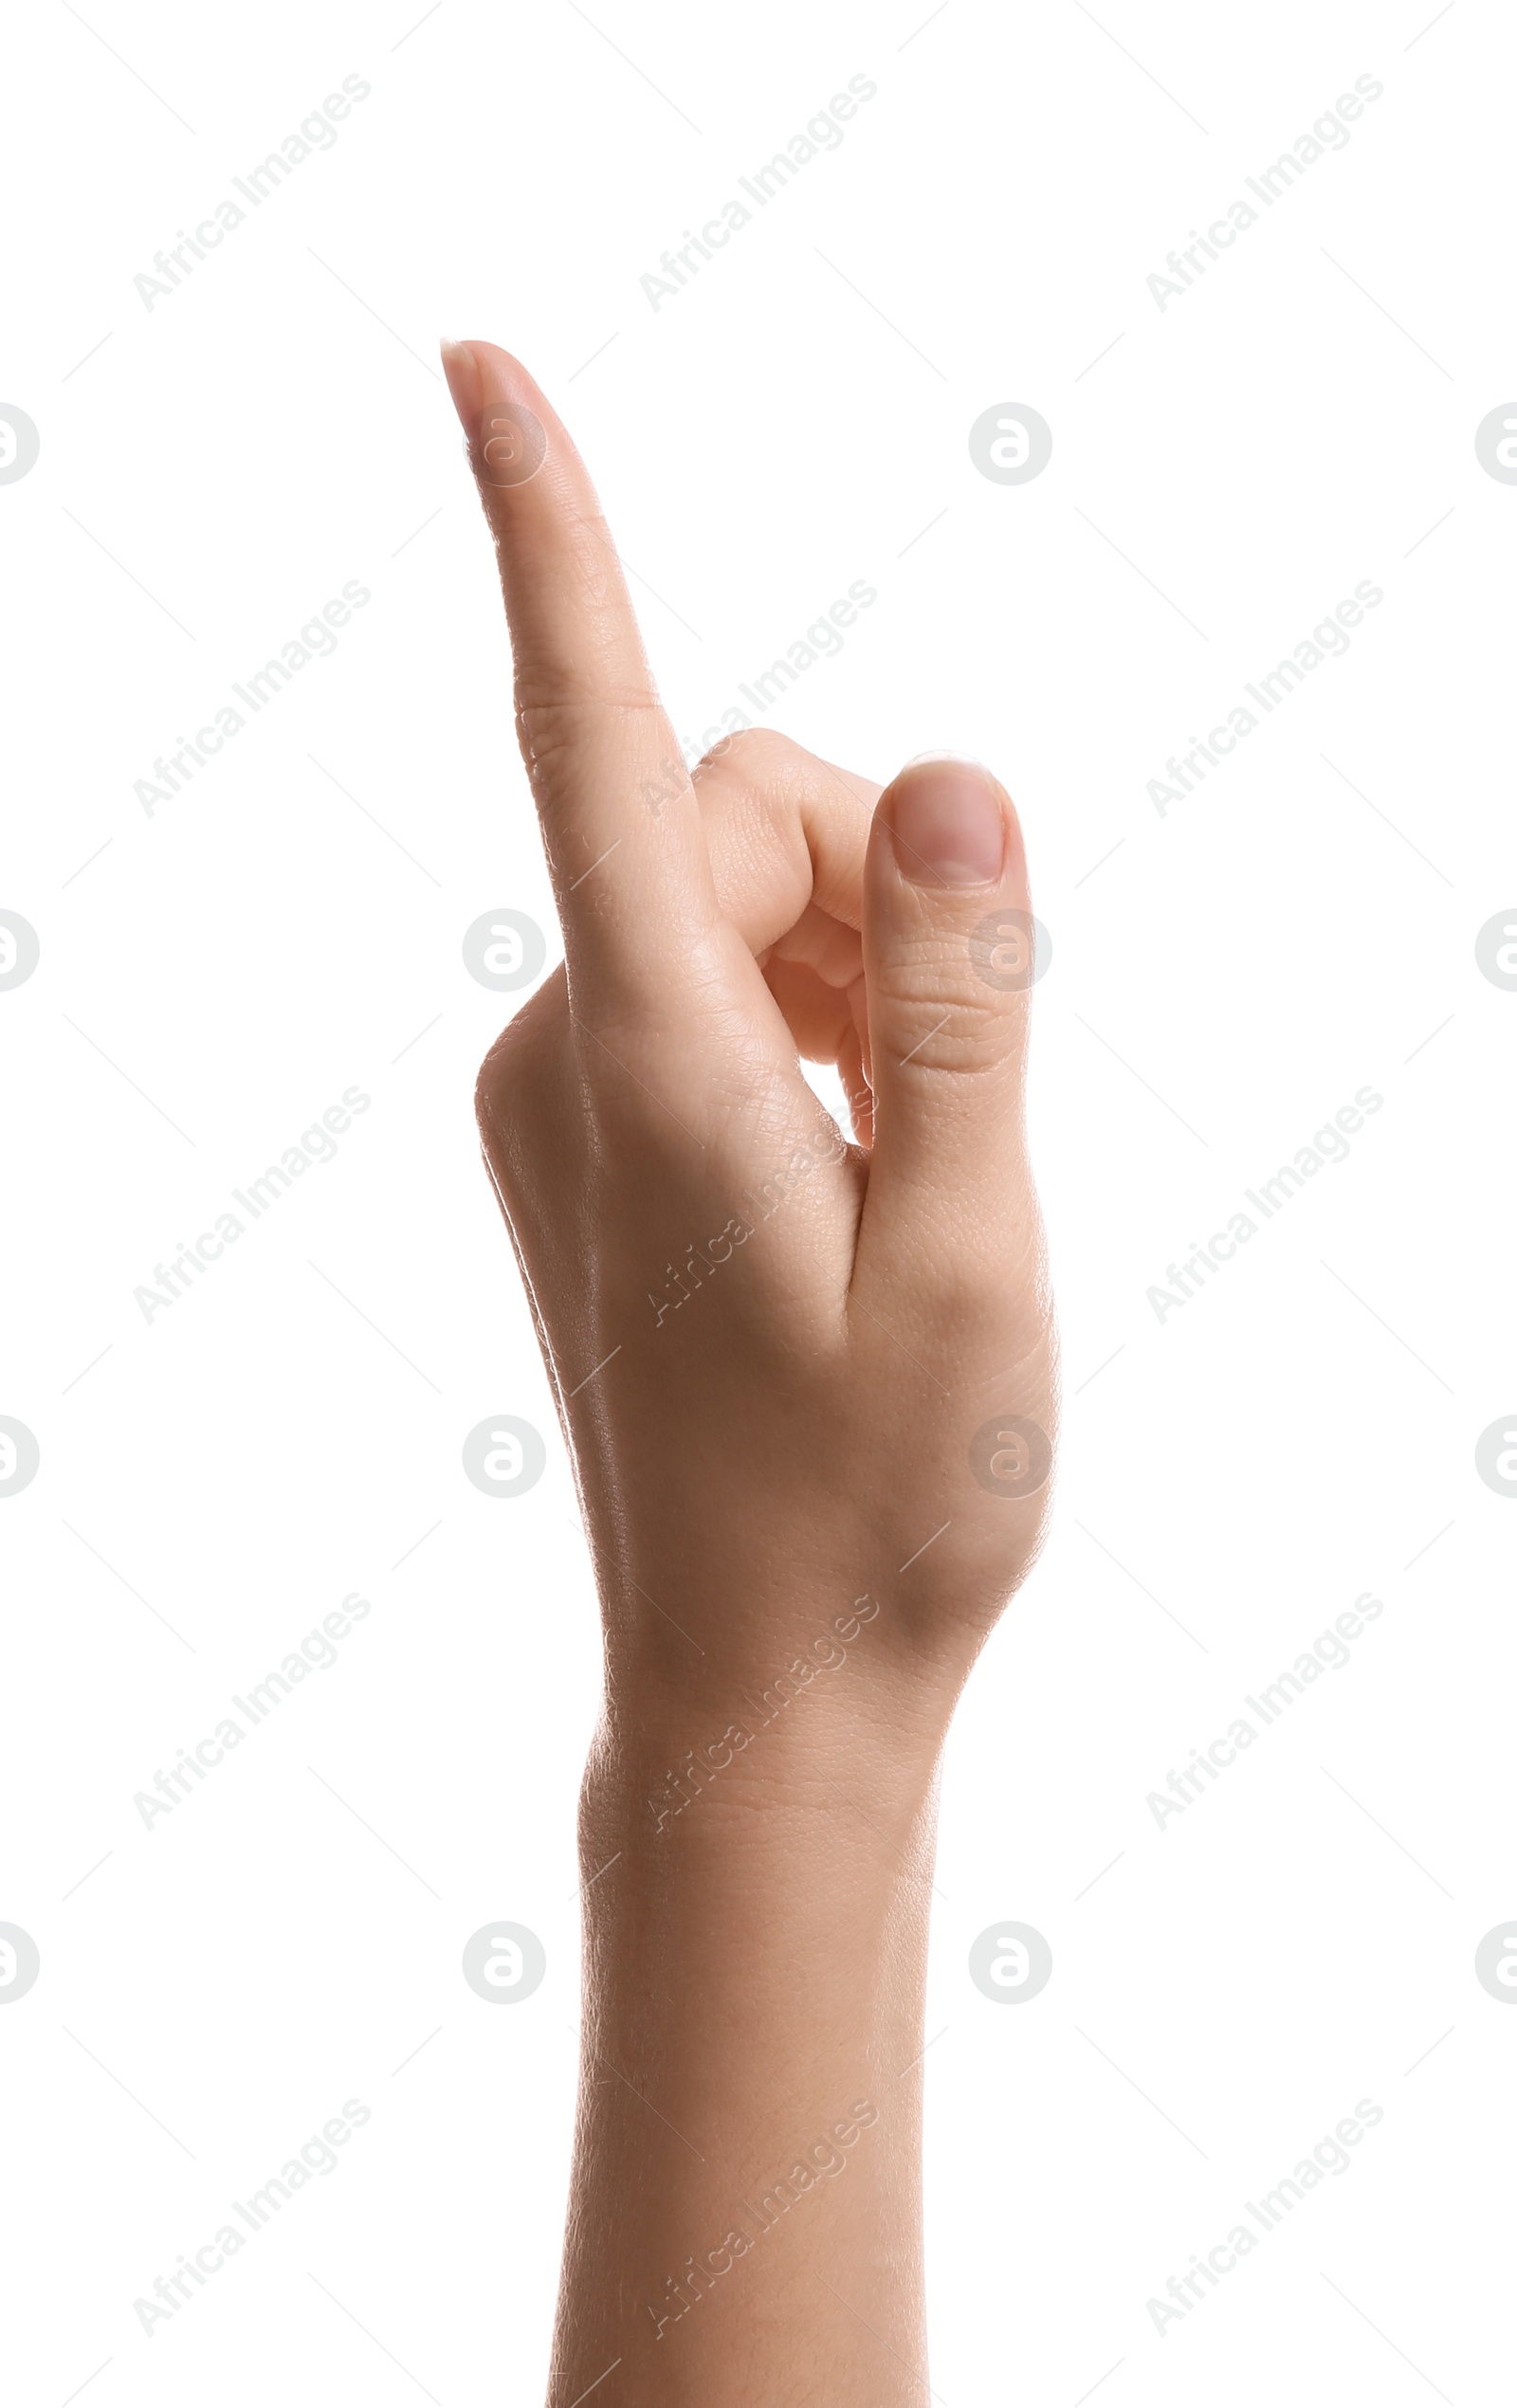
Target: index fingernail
[(462, 370), (507, 442)]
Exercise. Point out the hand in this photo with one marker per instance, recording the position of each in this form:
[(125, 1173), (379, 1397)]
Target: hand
[(777, 1356), (808, 1389)]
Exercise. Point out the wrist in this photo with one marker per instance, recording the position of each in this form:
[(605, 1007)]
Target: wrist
[(729, 1763), (855, 1811), (778, 1703)]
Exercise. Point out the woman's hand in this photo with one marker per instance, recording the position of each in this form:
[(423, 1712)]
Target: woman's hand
[(807, 1389), (778, 1357)]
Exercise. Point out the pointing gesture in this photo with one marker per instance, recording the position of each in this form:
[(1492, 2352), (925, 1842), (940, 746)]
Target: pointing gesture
[(807, 1383)]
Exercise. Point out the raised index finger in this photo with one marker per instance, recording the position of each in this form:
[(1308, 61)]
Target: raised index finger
[(620, 824)]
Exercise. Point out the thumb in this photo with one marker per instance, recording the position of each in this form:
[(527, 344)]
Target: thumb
[(948, 962)]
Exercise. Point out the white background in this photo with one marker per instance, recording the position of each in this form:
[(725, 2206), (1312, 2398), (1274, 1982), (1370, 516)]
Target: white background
[(213, 976)]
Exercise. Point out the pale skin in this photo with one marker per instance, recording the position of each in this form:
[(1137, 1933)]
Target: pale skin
[(813, 1469)]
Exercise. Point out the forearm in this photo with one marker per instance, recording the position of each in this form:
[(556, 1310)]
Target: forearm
[(745, 2200)]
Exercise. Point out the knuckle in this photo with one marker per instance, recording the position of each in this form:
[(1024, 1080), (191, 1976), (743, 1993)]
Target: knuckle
[(938, 1014), (493, 1080), (967, 1053), (556, 726), (747, 752), (518, 1069)]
